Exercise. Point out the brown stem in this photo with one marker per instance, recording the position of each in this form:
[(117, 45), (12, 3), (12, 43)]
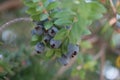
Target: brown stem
[(102, 59), (14, 21)]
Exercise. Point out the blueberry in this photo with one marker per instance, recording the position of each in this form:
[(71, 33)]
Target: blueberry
[(40, 47), (47, 38), (55, 43), (52, 31), (64, 60), (73, 50), (38, 30)]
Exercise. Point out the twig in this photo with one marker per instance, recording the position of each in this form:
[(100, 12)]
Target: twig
[(113, 7), (64, 68), (97, 56), (102, 59), (14, 21), (112, 21)]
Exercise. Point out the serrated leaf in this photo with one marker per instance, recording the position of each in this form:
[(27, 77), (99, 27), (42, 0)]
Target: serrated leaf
[(48, 25), (61, 34)]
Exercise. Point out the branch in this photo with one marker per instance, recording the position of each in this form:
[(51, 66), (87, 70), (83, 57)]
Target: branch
[(113, 7), (64, 68), (14, 21)]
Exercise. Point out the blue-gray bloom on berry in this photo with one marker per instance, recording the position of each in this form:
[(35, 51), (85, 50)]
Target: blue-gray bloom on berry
[(55, 43), (64, 60), (73, 50), (40, 47), (52, 31)]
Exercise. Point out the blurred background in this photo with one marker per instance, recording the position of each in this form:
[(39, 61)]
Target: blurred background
[(18, 61)]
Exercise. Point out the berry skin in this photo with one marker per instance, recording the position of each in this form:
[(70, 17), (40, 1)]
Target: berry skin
[(72, 50), (38, 30), (40, 47), (47, 39), (52, 31), (64, 60), (55, 43)]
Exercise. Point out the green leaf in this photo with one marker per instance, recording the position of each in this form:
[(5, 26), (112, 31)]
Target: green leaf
[(63, 14), (39, 8), (92, 10), (63, 22), (32, 11), (29, 3), (35, 38), (61, 34), (49, 53), (48, 25), (44, 16), (53, 5), (35, 17), (77, 29)]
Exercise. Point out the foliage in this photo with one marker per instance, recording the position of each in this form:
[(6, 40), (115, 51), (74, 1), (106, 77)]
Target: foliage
[(71, 21)]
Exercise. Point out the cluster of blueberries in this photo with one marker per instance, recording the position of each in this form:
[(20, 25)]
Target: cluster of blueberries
[(48, 38), (49, 41)]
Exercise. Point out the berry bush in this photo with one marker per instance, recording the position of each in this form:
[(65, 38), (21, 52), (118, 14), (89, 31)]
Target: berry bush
[(67, 39)]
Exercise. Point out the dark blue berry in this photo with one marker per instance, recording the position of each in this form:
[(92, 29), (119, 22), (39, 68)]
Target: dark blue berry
[(40, 47), (47, 38), (55, 43), (38, 30), (52, 31), (64, 60), (73, 50)]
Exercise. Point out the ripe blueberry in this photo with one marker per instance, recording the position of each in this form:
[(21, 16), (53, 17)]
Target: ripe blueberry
[(38, 30), (52, 31), (72, 50), (40, 47), (55, 43), (47, 38), (64, 60)]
